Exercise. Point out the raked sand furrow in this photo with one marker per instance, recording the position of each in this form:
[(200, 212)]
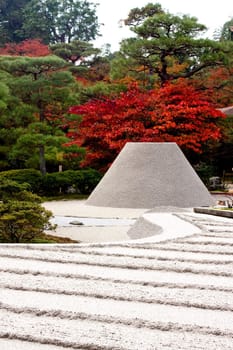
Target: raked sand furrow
[(217, 234), (171, 245), (210, 224), (159, 255), (161, 342), (14, 344), (137, 253), (214, 226), (121, 280), (188, 297), (132, 322), (214, 319), (125, 335), (126, 263), (209, 240), (175, 245), (210, 219), (190, 247), (219, 230), (145, 276), (172, 295)]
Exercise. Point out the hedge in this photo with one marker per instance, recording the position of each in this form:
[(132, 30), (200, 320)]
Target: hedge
[(76, 181), (30, 176)]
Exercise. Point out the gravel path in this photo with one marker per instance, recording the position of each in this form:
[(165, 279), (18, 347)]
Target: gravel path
[(173, 294)]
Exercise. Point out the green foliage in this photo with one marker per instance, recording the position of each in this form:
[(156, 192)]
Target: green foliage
[(11, 19), (78, 181), (169, 46), (57, 21), (45, 91), (121, 67), (51, 20), (205, 172), (33, 66), (101, 89), (4, 96), (138, 15), (21, 221), (225, 33), (10, 189), (14, 117), (20, 177), (37, 135), (75, 51), (90, 179), (22, 217)]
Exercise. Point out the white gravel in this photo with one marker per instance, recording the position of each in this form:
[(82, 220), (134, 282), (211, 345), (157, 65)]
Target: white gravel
[(176, 293), (13, 344)]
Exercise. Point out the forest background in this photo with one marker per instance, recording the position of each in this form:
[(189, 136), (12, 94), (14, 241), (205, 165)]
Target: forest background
[(67, 108)]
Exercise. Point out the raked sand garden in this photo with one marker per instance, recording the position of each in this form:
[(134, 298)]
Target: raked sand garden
[(172, 290)]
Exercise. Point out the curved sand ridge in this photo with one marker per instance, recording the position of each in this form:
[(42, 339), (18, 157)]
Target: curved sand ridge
[(152, 224)]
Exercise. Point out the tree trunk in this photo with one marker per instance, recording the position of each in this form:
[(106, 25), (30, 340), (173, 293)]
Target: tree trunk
[(42, 160), (41, 147)]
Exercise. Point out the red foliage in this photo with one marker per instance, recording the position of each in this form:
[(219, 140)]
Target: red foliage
[(173, 113), (218, 86), (83, 81), (30, 47)]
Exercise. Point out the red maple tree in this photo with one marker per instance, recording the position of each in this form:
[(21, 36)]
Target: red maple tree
[(217, 85), (173, 113), (29, 47)]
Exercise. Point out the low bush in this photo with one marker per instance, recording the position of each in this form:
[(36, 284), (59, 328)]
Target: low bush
[(30, 176), (22, 221), (53, 184), (70, 181), (22, 217)]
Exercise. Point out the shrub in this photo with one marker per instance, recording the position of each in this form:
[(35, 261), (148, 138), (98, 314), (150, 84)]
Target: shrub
[(11, 189), (21, 221), (205, 172), (22, 217), (80, 181), (30, 176), (89, 181)]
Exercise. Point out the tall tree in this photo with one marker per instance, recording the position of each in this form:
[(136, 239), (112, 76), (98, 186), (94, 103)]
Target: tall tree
[(60, 21), (174, 113), (226, 32), (15, 116), (42, 84), (11, 20), (163, 40)]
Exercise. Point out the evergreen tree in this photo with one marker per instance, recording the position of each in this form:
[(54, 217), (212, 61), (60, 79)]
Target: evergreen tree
[(56, 21), (11, 20), (53, 21), (47, 90), (164, 41), (226, 32)]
